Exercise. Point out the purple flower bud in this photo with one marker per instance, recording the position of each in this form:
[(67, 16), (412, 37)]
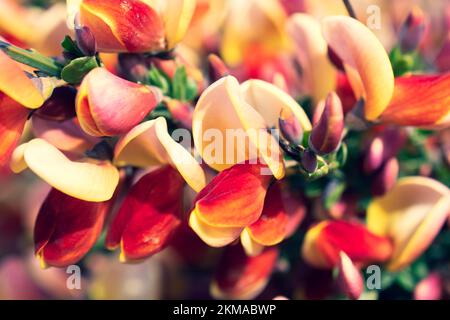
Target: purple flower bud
[(412, 30), (60, 106), (86, 41), (217, 68), (309, 161), (326, 135), (386, 178), (290, 127)]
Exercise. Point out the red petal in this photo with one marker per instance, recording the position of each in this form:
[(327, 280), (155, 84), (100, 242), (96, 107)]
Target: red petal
[(149, 215), (421, 101), (234, 198), (66, 228), (243, 277), (12, 121)]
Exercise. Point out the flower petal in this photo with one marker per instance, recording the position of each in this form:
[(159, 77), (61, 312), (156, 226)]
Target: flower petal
[(366, 62), (411, 214), (349, 279), (311, 52), (149, 215), (177, 16), (324, 241), (13, 77), (420, 101), (120, 25), (12, 122), (242, 277), (90, 181), (234, 198), (107, 105), (66, 228), (150, 144)]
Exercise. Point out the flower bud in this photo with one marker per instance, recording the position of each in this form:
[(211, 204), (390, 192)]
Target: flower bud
[(217, 68), (60, 106), (429, 288), (386, 178), (107, 105), (86, 41), (309, 161), (412, 31), (181, 112), (290, 127), (326, 135), (349, 279)]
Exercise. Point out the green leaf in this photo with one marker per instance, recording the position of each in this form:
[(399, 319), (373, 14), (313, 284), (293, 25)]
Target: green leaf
[(159, 79), (179, 84), (77, 69), (70, 46)]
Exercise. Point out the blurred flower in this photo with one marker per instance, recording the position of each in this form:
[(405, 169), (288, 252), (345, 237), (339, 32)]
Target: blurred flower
[(349, 278), (311, 51), (246, 110), (241, 277), (134, 25), (430, 288), (411, 214), (108, 105), (217, 68), (290, 127), (326, 240), (412, 30), (89, 179), (386, 178)]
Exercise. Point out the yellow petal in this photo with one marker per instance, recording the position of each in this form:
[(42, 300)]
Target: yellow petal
[(230, 123), (93, 181), (365, 60), (213, 236), (150, 144), (412, 214), (251, 247), (13, 77), (311, 49), (177, 16)]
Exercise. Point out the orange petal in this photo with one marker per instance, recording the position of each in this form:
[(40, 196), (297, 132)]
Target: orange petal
[(123, 25), (242, 277), (365, 60), (91, 180), (13, 77), (420, 101), (149, 215), (311, 51), (108, 105), (150, 144), (324, 241), (411, 214), (12, 122), (234, 198), (66, 228)]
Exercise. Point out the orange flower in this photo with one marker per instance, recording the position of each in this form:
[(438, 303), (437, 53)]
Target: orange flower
[(134, 25), (243, 277), (107, 105), (149, 215), (66, 228), (326, 240)]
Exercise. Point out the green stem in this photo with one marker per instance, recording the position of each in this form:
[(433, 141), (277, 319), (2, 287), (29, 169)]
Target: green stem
[(32, 58)]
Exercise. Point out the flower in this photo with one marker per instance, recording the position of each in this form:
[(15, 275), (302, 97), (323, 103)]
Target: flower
[(107, 105), (411, 214), (245, 111), (133, 25)]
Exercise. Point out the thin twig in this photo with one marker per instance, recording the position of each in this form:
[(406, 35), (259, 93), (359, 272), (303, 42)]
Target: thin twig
[(350, 9)]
